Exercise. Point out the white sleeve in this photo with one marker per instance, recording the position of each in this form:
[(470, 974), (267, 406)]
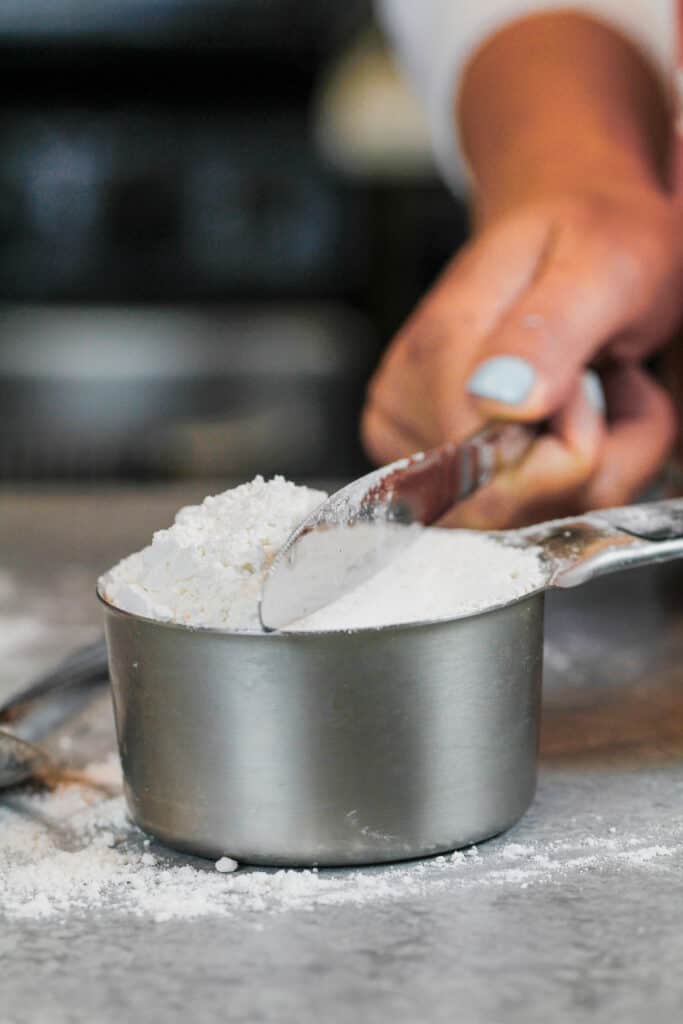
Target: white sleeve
[(434, 38)]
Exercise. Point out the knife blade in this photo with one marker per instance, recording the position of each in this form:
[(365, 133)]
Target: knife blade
[(359, 529)]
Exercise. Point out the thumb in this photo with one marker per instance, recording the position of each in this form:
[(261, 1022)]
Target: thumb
[(530, 362)]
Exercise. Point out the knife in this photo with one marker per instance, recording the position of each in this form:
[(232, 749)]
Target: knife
[(359, 529)]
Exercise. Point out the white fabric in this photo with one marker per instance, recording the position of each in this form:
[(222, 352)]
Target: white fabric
[(434, 38)]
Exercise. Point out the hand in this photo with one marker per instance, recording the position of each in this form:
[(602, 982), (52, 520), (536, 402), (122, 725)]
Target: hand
[(576, 263), (507, 333)]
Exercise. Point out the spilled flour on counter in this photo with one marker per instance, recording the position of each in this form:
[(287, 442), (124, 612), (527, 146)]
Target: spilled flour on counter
[(73, 852), (208, 568)]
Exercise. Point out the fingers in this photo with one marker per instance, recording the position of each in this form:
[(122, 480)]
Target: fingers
[(506, 333), (641, 434), (587, 294), (385, 440), (581, 463), (529, 364), (551, 478), (584, 462), (419, 386)]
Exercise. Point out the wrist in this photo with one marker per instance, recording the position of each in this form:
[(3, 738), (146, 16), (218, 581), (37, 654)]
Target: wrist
[(538, 168)]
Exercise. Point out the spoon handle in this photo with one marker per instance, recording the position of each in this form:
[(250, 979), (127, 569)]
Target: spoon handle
[(83, 666)]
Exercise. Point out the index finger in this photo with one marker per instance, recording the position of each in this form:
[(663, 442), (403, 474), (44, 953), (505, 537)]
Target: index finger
[(419, 385)]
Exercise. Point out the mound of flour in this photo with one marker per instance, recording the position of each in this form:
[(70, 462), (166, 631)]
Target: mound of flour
[(209, 567)]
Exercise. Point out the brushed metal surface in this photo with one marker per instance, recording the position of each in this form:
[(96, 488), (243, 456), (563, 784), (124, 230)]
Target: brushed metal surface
[(579, 549), (328, 749)]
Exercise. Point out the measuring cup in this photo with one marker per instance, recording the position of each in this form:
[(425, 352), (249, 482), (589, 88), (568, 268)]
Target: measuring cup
[(352, 748)]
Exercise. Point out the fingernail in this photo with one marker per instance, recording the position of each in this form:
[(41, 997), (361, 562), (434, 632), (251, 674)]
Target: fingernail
[(506, 379), (592, 389)]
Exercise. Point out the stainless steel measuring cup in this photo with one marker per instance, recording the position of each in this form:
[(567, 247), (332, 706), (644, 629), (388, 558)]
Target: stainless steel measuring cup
[(352, 748)]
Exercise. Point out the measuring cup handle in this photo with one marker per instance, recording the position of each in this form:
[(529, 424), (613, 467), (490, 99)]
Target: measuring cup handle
[(609, 540), (654, 520)]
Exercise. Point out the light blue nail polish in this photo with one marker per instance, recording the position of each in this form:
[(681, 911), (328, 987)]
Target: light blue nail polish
[(506, 379), (592, 389)]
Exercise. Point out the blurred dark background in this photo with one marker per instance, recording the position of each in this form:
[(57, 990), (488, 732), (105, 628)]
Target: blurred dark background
[(212, 217)]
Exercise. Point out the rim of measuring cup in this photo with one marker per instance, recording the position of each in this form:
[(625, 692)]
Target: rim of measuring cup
[(295, 634)]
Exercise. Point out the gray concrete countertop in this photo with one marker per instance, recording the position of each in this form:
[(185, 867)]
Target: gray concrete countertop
[(600, 940)]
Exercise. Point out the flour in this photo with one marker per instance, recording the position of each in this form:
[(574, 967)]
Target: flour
[(444, 574), (226, 865), (73, 852), (208, 568)]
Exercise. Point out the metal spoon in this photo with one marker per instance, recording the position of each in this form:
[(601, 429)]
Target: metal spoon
[(42, 705), (362, 527)]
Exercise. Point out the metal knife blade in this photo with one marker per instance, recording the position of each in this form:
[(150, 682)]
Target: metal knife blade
[(359, 529)]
